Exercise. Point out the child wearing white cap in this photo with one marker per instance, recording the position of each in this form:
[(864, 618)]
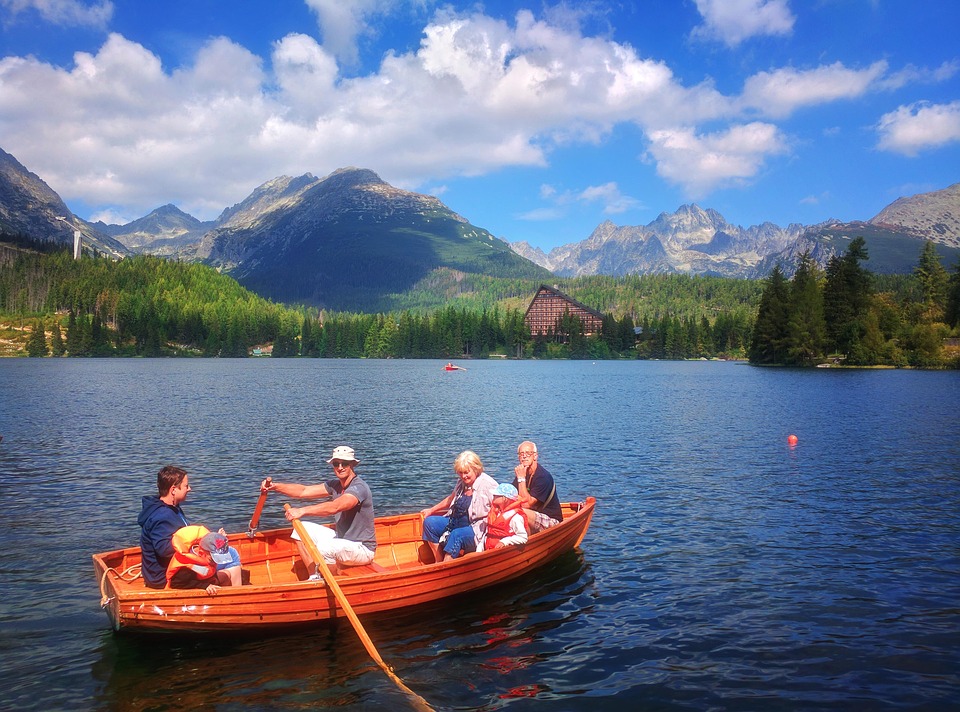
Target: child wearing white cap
[(506, 524)]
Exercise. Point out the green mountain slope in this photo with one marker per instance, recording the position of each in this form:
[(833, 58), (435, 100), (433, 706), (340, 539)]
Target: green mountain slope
[(891, 251), (350, 240)]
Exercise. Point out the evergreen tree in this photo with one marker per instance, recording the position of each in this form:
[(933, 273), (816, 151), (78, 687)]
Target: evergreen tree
[(233, 345), (609, 332), (872, 348), (85, 327), (57, 347), (953, 298), (770, 329), (516, 333), (485, 335), (539, 346), (578, 339), (846, 296), (37, 343), (152, 344), (388, 337), (371, 344), (73, 334), (837, 309), (705, 344), (306, 336), (933, 282), (806, 329), (628, 337), (321, 338), (285, 343), (99, 337)]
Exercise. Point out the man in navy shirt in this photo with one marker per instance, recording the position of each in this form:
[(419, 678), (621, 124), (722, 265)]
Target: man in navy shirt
[(160, 517), (538, 492)]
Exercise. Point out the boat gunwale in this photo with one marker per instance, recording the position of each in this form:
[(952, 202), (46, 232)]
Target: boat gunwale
[(129, 607)]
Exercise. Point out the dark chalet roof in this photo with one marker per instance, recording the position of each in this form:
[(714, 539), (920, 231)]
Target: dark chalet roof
[(573, 302)]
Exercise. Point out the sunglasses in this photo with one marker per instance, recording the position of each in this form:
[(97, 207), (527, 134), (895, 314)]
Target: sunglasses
[(340, 463)]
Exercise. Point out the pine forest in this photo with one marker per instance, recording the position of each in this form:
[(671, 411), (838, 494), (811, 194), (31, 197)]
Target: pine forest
[(53, 305)]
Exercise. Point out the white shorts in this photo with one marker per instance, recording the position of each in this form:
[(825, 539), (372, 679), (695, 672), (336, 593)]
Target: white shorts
[(334, 550)]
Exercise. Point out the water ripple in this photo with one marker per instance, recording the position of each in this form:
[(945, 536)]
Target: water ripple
[(724, 569)]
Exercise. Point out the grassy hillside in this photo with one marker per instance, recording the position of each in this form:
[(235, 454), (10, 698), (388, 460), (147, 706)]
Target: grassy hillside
[(890, 253)]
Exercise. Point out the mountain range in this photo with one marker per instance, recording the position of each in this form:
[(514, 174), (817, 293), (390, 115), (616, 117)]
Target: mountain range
[(346, 240), (697, 241)]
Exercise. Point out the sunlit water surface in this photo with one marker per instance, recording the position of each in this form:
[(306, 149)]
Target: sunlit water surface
[(724, 570)]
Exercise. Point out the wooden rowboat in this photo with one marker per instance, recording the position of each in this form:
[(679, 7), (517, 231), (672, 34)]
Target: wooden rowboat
[(278, 594)]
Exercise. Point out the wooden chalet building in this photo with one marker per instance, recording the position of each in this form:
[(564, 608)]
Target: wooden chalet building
[(549, 304)]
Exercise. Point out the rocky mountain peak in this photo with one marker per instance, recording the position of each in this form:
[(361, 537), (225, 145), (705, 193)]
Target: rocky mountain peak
[(27, 203), (28, 206), (168, 222), (687, 219), (935, 214), (602, 232), (278, 192), (359, 190), (350, 177)]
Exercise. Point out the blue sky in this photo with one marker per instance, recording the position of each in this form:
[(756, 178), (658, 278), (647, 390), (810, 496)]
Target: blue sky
[(536, 121)]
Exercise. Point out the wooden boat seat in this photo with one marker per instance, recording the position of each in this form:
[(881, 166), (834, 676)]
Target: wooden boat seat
[(373, 568)]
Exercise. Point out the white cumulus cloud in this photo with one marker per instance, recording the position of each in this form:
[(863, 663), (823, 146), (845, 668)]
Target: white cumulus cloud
[(701, 162), (117, 128), (343, 23), (781, 92), (733, 21), (917, 127)]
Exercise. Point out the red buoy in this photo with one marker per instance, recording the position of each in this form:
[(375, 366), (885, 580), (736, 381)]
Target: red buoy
[(791, 440)]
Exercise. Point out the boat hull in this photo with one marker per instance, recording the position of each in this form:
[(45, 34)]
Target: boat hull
[(278, 595)]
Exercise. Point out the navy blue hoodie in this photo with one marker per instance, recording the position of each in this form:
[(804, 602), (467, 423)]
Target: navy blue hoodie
[(158, 521)]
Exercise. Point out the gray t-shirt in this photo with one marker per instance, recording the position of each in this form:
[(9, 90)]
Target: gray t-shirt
[(355, 524)]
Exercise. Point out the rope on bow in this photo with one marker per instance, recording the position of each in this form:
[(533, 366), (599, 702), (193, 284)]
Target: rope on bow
[(131, 573)]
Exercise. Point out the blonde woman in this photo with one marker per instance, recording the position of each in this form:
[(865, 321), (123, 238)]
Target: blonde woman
[(464, 511)]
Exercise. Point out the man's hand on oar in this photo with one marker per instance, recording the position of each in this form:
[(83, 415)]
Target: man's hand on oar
[(255, 520)]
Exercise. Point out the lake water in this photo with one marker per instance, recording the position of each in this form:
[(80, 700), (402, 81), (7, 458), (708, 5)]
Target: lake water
[(724, 570)]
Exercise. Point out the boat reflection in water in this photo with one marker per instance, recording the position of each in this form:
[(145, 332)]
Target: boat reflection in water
[(463, 652)]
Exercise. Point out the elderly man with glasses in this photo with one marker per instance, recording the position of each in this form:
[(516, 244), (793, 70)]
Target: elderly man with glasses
[(538, 492), (351, 504)]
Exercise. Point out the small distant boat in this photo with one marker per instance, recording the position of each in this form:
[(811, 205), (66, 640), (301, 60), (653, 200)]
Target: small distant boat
[(279, 594), (453, 367)]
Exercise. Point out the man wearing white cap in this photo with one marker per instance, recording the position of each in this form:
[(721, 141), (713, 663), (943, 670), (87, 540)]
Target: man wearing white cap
[(351, 504)]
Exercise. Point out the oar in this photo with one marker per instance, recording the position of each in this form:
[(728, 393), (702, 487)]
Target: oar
[(255, 520), (419, 702)]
